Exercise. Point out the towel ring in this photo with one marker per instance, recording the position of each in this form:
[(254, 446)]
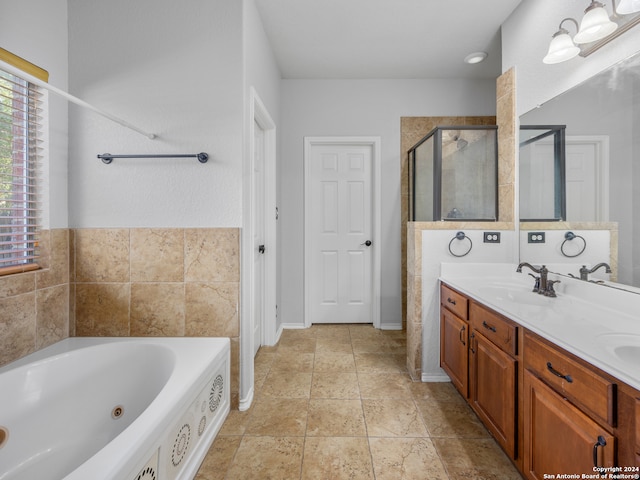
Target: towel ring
[(569, 236), (460, 236)]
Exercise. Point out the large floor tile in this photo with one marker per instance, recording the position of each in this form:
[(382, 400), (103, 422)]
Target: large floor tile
[(336, 458), (284, 417), (335, 385), (393, 418), (451, 420), (380, 362), (293, 361), (287, 385), (334, 362), (335, 418), (384, 385), (479, 459), (267, 458), (219, 458), (406, 459)]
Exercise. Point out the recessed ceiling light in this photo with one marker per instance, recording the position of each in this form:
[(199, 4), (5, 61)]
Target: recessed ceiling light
[(475, 57)]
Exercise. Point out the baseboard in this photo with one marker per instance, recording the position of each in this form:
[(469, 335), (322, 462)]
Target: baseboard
[(434, 377), (292, 326), (391, 326), (245, 403)]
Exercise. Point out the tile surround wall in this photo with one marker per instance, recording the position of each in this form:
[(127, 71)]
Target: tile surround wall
[(159, 282), (34, 306), (126, 282), (412, 130)]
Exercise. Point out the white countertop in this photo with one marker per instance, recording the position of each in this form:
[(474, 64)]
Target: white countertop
[(597, 323)]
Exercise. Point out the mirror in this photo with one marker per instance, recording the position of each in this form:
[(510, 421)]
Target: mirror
[(602, 154), (542, 159)]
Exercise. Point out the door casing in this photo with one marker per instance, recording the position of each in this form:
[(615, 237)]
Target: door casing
[(258, 114)]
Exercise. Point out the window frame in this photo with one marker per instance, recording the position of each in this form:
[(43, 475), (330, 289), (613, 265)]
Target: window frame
[(31, 190)]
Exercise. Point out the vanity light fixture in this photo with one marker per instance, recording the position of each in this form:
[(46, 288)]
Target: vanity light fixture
[(595, 24), (628, 6), (596, 29), (475, 57), (562, 47)]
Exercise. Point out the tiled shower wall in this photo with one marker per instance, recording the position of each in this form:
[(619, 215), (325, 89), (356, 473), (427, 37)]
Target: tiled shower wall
[(127, 282)]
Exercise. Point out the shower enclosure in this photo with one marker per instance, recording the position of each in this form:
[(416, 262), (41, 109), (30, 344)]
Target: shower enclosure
[(453, 175)]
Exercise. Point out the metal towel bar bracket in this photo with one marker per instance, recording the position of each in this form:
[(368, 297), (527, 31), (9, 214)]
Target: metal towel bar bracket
[(202, 157)]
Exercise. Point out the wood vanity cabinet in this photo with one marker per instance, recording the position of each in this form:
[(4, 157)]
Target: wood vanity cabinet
[(493, 371), (477, 350), (570, 413), (549, 410), (454, 338)]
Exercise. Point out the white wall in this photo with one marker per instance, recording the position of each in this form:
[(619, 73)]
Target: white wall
[(45, 44), (359, 108), (525, 40), (171, 68)]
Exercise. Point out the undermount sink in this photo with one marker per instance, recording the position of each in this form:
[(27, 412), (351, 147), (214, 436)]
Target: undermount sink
[(622, 345), (514, 293)]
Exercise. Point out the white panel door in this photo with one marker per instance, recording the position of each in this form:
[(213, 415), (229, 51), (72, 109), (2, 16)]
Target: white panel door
[(340, 239), (587, 177)]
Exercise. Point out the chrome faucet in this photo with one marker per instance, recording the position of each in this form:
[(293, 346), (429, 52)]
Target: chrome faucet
[(543, 285), (584, 271)]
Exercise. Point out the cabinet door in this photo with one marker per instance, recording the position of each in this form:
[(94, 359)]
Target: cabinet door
[(492, 382), (559, 438), (454, 354)]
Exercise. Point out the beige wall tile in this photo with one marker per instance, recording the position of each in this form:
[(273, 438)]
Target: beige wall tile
[(102, 309), (17, 327), (52, 317), (157, 255), (18, 284), (102, 255), (212, 255), (157, 309), (212, 310), (57, 272)]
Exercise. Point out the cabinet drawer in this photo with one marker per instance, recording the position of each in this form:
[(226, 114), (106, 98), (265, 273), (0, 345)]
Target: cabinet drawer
[(571, 379), (497, 329), (454, 301)]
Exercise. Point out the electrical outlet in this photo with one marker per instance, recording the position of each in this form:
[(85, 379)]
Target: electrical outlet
[(491, 237), (535, 237)]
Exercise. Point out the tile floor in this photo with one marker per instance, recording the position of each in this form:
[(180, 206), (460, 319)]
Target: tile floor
[(335, 402)]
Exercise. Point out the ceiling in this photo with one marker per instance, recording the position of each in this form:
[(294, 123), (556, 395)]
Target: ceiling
[(385, 38)]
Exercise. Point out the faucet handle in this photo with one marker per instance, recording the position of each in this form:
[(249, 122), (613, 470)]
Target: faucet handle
[(536, 287), (550, 292)]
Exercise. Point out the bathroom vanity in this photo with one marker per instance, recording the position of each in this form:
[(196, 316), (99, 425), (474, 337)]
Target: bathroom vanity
[(556, 381)]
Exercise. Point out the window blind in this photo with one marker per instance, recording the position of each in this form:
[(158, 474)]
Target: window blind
[(20, 161)]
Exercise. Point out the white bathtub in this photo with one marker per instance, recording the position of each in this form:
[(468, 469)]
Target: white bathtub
[(113, 408)]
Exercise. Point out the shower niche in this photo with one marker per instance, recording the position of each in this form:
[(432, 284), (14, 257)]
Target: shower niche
[(453, 175)]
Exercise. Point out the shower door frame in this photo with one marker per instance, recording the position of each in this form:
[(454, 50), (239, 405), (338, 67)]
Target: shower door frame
[(437, 173)]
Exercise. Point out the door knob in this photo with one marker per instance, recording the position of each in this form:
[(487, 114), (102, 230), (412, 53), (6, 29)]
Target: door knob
[(367, 243), (261, 249)]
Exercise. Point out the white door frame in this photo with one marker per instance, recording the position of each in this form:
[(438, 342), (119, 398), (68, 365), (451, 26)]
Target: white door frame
[(601, 147), (374, 143), (259, 115)]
